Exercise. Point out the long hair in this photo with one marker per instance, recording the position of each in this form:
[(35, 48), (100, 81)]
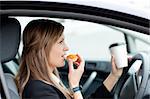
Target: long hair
[(38, 39)]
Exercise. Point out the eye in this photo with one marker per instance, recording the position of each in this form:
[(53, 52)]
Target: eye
[(61, 41)]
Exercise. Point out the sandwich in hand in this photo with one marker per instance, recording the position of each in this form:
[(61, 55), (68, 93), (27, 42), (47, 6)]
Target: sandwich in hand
[(75, 58)]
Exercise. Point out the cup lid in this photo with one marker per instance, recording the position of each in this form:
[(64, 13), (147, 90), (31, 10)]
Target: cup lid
[(117, 44)]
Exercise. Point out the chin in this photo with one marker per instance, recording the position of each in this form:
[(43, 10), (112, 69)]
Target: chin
[(62, 64)]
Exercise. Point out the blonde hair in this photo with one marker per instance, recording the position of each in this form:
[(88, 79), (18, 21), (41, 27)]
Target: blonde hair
[(38, 38)]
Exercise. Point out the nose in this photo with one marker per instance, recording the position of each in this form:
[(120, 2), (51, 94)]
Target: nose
[(66, 48)]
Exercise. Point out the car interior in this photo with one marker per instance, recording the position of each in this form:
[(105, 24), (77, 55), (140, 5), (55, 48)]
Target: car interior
[(95, 71), (135, 80)]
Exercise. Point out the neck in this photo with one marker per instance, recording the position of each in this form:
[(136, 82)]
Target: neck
[(51, 69)]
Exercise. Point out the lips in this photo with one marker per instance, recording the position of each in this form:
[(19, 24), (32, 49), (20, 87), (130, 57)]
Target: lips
[(64, 56)]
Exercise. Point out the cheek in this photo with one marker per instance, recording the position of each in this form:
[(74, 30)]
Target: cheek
[(56, 59), (53, 58), (56, 62), (54, 53)]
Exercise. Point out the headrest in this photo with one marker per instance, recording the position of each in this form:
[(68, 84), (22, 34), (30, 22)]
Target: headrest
[(10, 38)]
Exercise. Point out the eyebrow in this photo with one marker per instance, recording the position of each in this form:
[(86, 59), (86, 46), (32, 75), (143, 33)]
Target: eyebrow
[(60, 39), (63, 37)]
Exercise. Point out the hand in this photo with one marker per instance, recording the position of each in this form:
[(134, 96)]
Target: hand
[(116, 72), (112, 79), (74, 75)]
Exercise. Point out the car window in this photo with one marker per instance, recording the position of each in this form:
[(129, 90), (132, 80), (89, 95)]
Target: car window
[(142, 46), (91, 40), (138, 41)]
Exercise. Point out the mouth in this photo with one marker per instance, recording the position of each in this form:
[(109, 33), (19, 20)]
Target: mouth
[(64, 56)]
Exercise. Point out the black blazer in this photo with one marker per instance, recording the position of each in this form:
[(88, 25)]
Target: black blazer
[(36, 89)]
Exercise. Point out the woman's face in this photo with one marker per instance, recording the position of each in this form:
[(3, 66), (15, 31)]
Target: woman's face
[(58, 52)]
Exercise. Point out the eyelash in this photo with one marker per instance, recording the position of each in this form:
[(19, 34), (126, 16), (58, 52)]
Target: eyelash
[(61, 41)]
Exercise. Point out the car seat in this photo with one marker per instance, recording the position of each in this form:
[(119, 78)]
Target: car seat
[(10, 39)]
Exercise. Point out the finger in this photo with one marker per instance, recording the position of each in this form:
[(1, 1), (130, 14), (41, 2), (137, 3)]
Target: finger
[(114, 67), (79, 57), (76, 63), (82, 62), (70, 63)]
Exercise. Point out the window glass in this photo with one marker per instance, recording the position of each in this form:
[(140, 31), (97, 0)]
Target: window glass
[(140, 42), (91, 40), (142, 46)]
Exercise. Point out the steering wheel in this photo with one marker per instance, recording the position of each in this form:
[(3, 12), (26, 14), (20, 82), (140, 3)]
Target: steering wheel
[(132, 83)]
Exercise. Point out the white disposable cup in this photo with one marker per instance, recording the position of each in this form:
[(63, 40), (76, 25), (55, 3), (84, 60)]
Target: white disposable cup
[(119, 51)]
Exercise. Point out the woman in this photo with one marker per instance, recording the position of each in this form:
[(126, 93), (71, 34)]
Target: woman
[(44, 50)]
